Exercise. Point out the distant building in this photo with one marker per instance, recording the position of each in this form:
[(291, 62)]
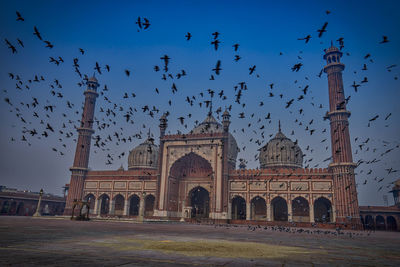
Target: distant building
[(381, 217), (193, 176), (24, 203)]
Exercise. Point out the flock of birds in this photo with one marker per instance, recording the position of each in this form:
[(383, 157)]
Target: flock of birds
[(296, 230), (110, 113)]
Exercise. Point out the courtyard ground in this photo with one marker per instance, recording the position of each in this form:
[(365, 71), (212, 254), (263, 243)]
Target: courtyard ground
[(49, 241)]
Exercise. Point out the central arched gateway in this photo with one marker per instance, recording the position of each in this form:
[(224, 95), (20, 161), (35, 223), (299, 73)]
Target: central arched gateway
[(189, 178), (200, 202)]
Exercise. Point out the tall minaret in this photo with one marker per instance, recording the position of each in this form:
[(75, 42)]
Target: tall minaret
[(81, 160), (163, 127), (342, 166)]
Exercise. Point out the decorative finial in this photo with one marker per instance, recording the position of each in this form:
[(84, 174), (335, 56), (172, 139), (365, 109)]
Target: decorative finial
[(148, 134), (279, 125), (210, 112), (331, 43)]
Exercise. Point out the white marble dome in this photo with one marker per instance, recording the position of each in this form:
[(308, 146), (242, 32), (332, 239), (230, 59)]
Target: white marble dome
[(281, 152), (144, 156)]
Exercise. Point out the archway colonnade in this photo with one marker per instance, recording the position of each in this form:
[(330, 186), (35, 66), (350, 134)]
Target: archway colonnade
[(121, 206), (278, 209), (379, 222)]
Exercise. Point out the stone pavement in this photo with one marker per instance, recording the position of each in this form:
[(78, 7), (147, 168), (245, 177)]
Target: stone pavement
[(27, 241)]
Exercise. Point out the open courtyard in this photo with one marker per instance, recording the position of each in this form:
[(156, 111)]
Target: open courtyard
[(60, 242)]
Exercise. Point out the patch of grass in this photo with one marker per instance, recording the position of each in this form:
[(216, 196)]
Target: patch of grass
[(210, 248)]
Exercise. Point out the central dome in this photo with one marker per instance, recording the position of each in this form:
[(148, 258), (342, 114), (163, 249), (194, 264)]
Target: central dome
[(211, 125), (144, 156), (281, 152)]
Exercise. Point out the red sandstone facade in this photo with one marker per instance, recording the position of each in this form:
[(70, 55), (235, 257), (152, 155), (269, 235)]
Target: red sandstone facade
[(193, 176)]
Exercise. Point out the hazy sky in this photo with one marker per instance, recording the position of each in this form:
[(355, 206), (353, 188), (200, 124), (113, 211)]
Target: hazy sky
[(267, 32)]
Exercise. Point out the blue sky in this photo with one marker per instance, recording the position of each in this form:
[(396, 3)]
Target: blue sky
[(107, 32)]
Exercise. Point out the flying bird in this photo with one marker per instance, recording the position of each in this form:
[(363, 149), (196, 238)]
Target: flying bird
[(322, 30), (19, 17), (385, 40), (307, 38), (217, 68), (37, 33)]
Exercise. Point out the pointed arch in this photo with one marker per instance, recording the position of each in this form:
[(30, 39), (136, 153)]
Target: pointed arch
[(322, 210), (300, 210), (391, 223), (380, 223), (91, 199), (104, 204), (238, 208), (134, 203), (200, 202), (119, 202), (279, 209), (188, 166), (149, 205), (258, 208)]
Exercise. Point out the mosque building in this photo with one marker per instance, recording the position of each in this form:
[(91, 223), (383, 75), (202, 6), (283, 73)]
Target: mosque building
[(193, 176)]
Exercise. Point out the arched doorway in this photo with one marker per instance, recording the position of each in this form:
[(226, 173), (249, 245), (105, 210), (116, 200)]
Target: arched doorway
[(20, 208), (134, 203), (200, 202), (258, 208), (105, 204), (13, 208), (119, 202), (238, 208), (183, 170), (90, 198), (279, 209), (322, 210), (380, 223), (391, 223), (300, 210), (369, 223), (5, 208), (149, 205)]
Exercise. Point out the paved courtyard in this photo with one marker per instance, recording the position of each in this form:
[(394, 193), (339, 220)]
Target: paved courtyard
[(60, 242)]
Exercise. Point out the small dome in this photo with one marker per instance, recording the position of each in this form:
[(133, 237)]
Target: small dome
[(144, 156), (280, 151), (93, 79)]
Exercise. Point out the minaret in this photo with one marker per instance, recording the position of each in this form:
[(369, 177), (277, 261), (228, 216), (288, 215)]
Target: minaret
[(342, 166), (226, 205), (163, 127), (81, 160)]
